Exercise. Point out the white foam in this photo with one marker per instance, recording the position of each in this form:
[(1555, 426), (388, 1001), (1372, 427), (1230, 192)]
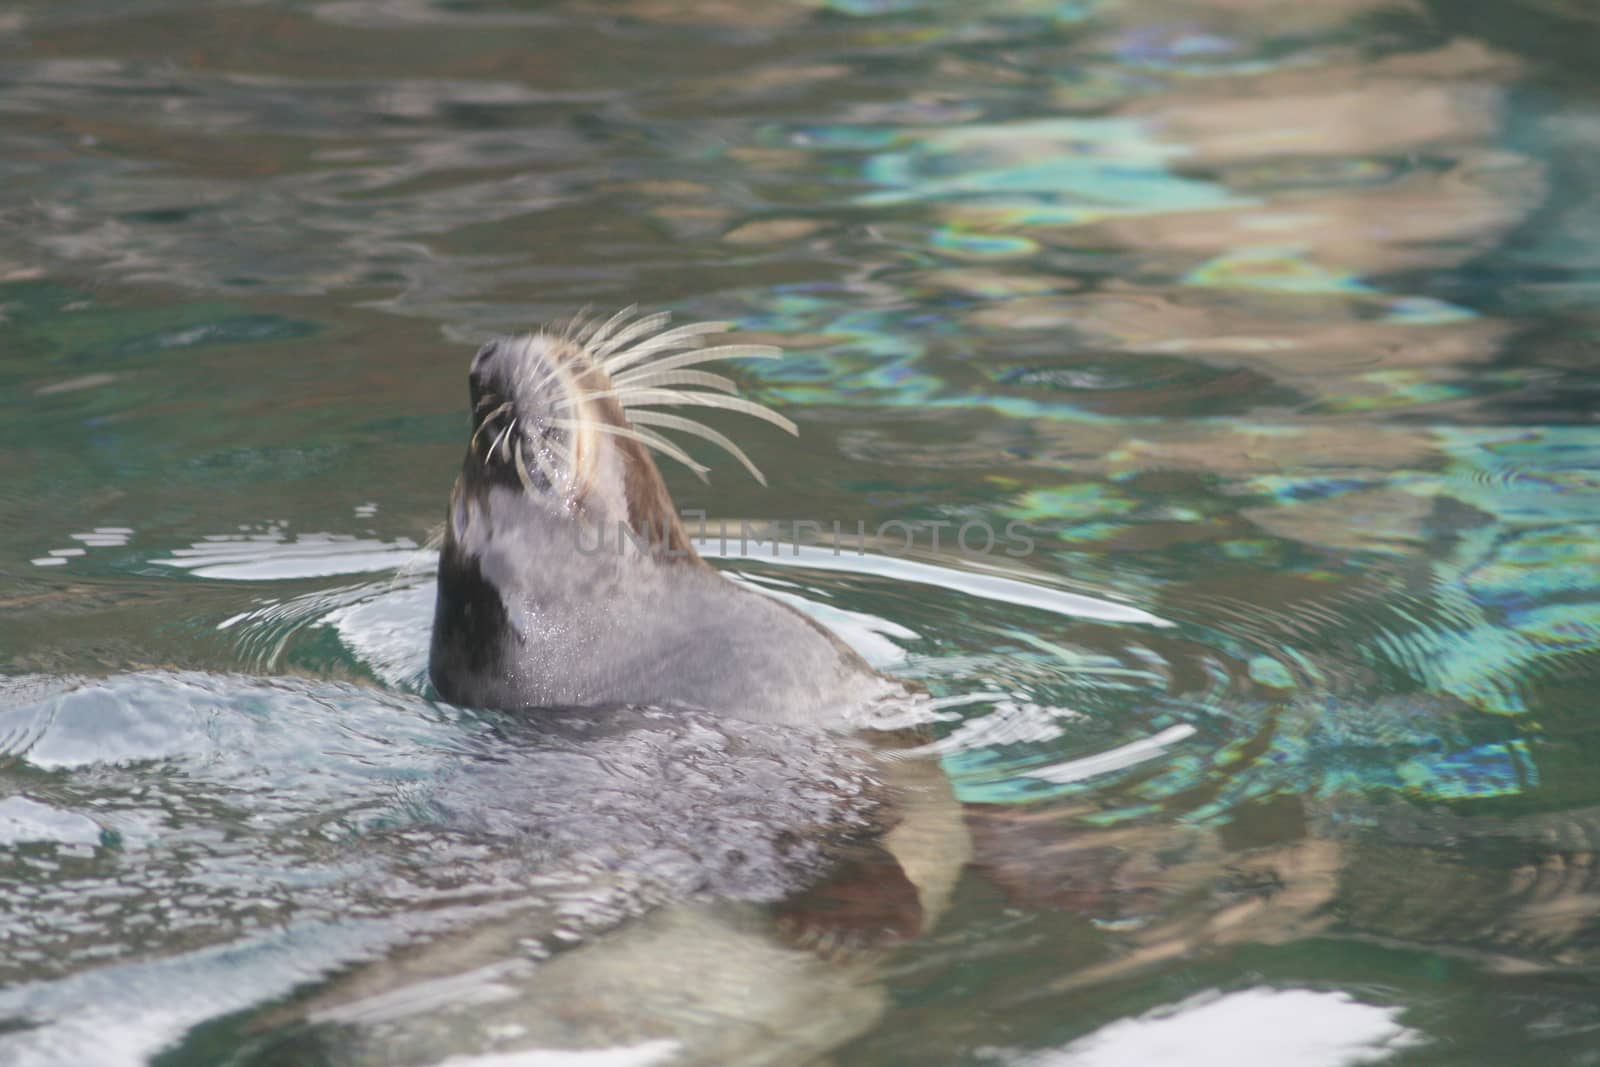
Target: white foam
[(23, 820), (1259, 1027), (1114, 759), (973, 583), (271, 557)]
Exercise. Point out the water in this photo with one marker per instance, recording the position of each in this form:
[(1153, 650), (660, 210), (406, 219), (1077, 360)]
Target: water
[(1274, 324)]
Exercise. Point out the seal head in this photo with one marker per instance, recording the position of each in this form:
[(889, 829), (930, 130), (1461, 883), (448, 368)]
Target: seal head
[(566, 578)]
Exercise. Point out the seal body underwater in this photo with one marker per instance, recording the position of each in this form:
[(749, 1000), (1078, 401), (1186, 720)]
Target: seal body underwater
[(566, 578)]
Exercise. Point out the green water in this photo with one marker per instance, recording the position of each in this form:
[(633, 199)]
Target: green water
[(1278, 326)]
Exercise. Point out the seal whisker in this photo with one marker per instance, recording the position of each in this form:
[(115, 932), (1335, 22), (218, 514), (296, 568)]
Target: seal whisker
[(645, 437), (678, 422), (687, 336), (606, 327), (628, 398), (667, 447), (635, 361), (637, 329), (702, 355), (499, 410), (548, 374), (577, 323), (674, 397), (484, 423), (647, 377), (500, 439), (522, 471)]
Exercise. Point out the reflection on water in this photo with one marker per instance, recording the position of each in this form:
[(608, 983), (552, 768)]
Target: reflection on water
[(1275, 324)]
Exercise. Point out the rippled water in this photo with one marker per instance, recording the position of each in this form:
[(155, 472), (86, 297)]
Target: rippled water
[(1275, 325)]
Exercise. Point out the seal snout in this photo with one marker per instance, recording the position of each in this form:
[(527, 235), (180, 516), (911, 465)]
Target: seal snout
[(576, 408), (525, 373), (484, 355), (488, 376), (519, 397)]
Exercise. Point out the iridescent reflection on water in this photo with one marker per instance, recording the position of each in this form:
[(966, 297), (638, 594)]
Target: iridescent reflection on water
[(1275, 324)]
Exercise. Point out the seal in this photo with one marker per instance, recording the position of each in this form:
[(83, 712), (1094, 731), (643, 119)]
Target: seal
[(720, 847), (567, 580)]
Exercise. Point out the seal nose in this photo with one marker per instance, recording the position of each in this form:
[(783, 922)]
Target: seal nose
[(484, 355), (479, 373)]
